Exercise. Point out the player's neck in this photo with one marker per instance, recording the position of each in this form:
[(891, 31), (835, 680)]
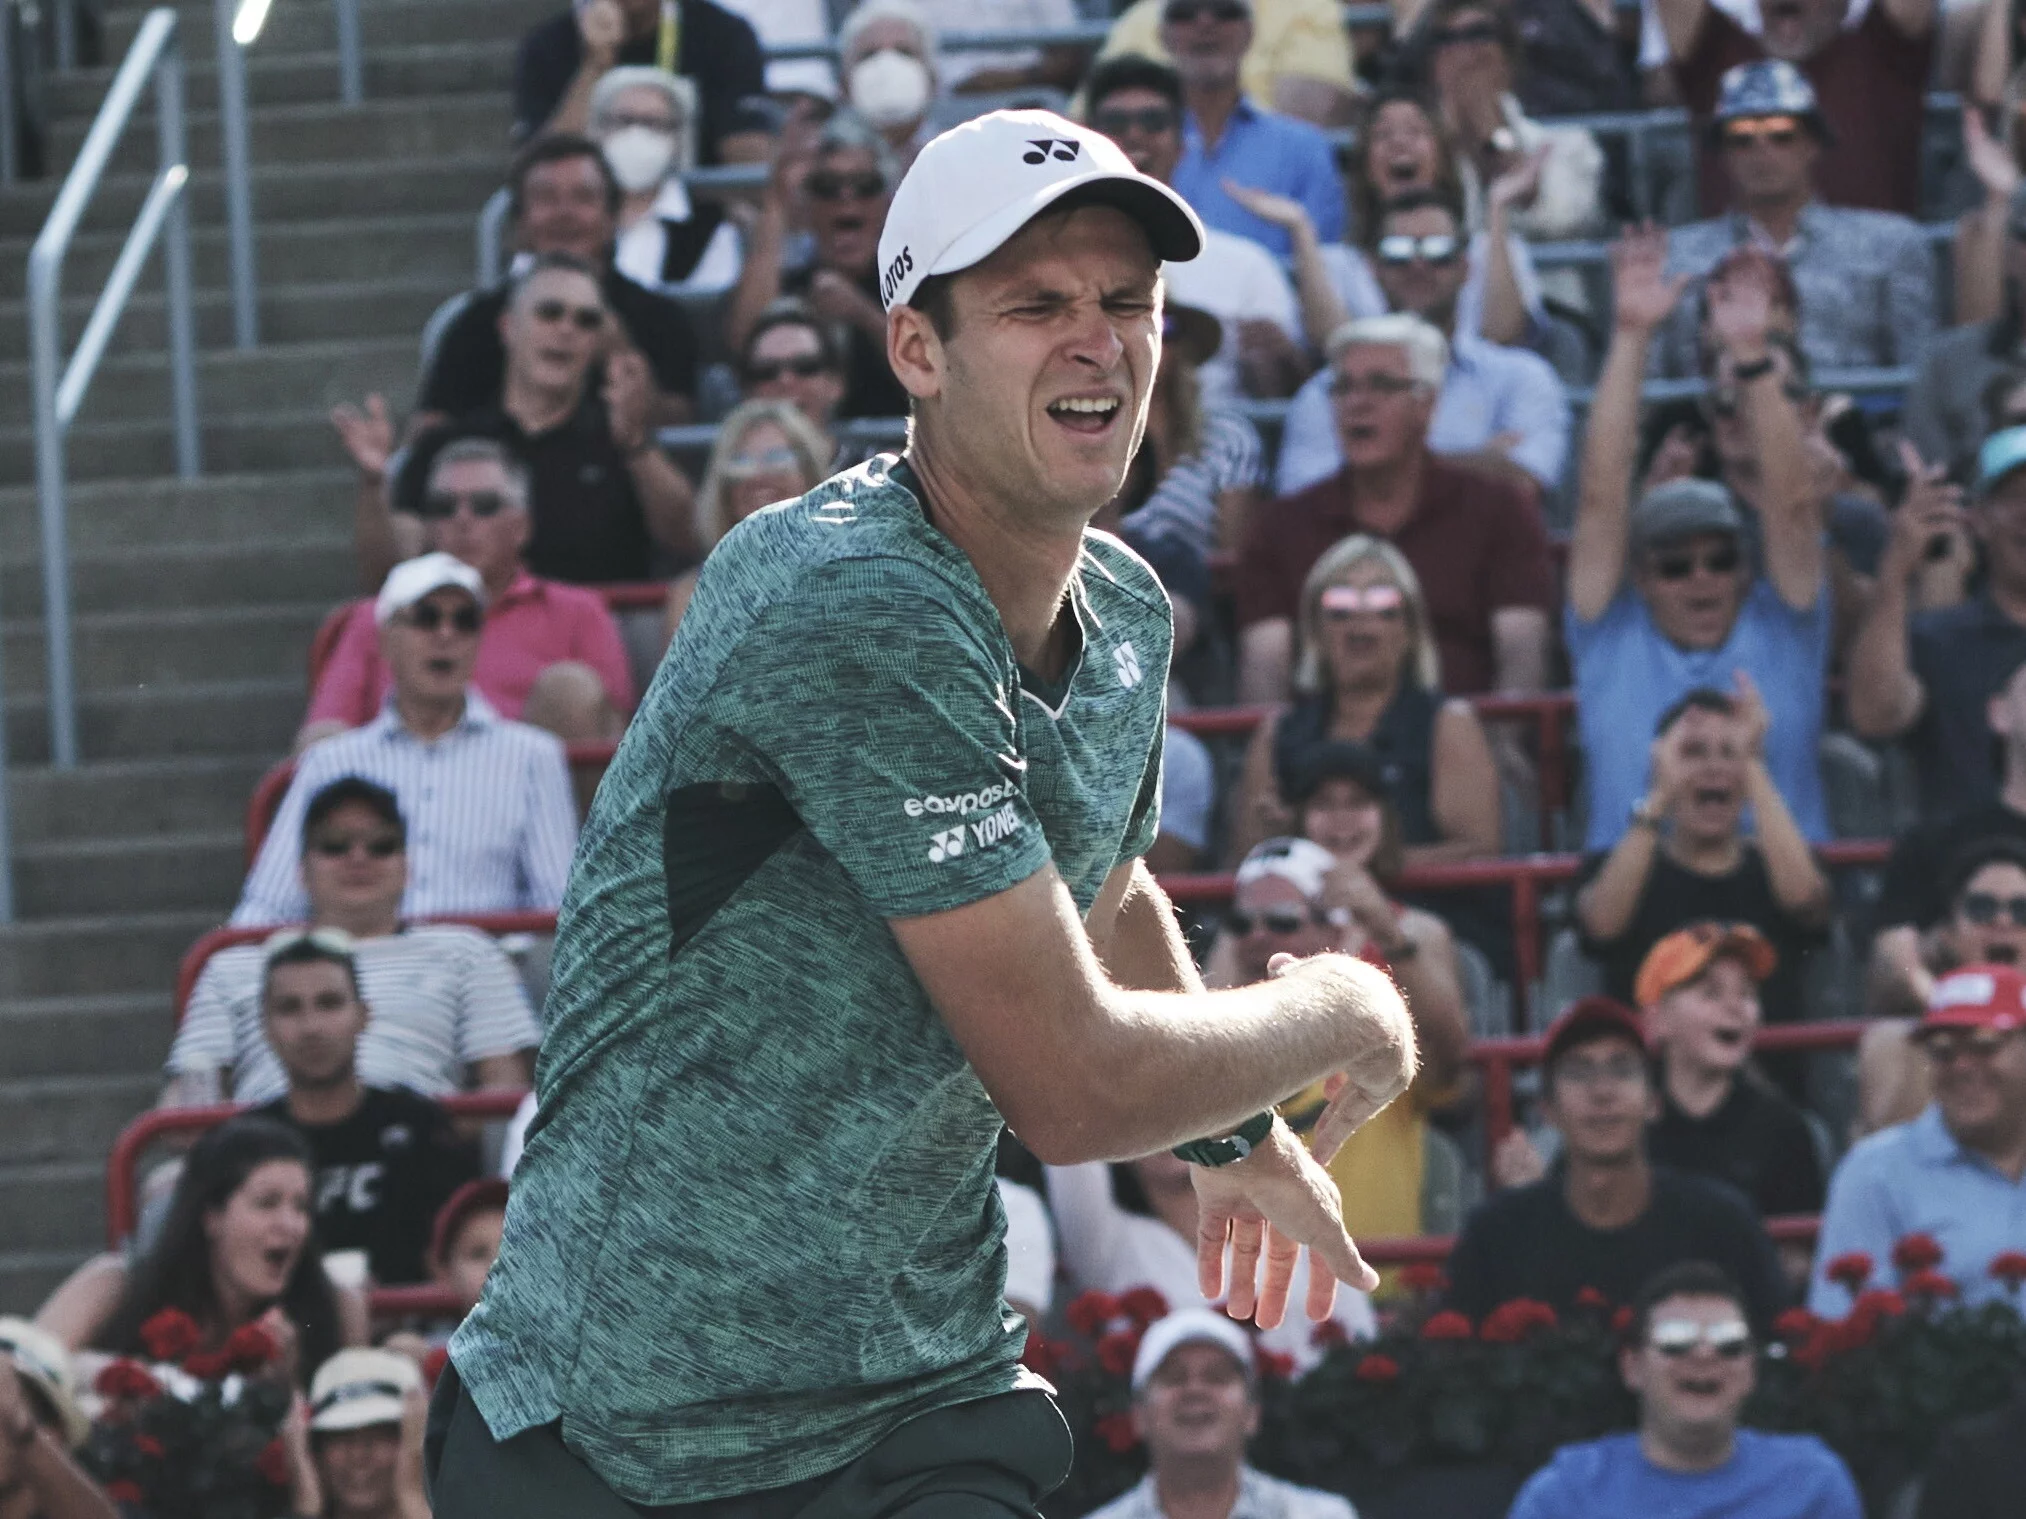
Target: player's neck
[(1024, 565)]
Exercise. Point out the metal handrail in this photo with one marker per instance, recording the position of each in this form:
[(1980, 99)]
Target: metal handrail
[(238, 175), (154, 57)]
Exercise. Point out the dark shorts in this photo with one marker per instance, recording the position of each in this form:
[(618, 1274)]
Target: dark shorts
[(995, 1458)]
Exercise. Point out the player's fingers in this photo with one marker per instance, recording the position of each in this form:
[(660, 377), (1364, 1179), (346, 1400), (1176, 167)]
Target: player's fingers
[(1322, 1294), (1244, 1298), (1335, 1251), (1281, 1255), (1212, 1233), (1352, 1109)]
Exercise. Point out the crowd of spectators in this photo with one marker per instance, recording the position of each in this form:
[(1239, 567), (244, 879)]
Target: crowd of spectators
[(1412, 464)]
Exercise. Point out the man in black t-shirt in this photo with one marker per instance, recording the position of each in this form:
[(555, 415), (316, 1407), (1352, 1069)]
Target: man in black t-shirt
[(1698, 990), (385, 1158), (1605, 1217)]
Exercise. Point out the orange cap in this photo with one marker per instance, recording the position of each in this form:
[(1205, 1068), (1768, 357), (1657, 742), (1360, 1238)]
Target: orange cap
[(1686, 953)]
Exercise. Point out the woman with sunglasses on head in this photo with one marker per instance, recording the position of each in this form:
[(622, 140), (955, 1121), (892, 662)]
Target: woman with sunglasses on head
[(766, 451), (1367, 672)]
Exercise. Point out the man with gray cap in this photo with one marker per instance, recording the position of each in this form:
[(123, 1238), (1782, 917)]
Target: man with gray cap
[(1865, 278), (1663, 597), (861, 889), (1196, 1404)]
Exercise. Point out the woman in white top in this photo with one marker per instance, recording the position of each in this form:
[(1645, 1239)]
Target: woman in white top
[(644, 119)]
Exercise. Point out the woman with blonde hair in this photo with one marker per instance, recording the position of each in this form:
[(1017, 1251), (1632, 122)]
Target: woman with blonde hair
[(1367, 672), (766, 451)]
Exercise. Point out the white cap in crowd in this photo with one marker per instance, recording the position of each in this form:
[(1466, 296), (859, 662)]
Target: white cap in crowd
[(357, 1388), (1303, 861), (412, 579), (1190, 1326), (45, 1365), (977, 184)]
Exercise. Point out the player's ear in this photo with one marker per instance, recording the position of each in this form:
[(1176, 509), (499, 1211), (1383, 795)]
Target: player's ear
[(915, 351)]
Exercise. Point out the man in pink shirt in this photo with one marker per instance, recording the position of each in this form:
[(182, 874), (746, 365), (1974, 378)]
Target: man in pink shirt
[(550, 654)]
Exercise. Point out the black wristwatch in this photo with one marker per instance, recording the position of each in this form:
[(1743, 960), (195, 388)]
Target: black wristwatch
[(1234, 1146)]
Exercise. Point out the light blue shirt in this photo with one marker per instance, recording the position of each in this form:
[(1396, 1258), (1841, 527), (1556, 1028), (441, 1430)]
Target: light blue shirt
[(1264, 151), (1914, 1178), (1487, 390), (1767, 1477), (1627, 673)]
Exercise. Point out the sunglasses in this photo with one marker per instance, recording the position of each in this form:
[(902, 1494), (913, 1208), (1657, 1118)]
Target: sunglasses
[(1398, 248), (824, 185), (1371, 384), (1152, 121), (427, 618), (1280, 920), (1774, 131), (1947, 1047), (445, 503), (767, 462), (1983, 908), (1340, 603), (1463, 36), (1674, 1338), (767, 371), (1722, 400), (1182, 12), (1717, 561), (380, 846), (1621, 1071), (586, 318)]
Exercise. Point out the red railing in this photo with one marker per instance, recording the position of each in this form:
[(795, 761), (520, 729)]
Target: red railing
[(1433, 1249)]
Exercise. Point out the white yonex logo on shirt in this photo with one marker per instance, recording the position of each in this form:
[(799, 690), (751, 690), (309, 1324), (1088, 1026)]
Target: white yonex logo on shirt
[(1127, 658), (946, 845), (984, 833)]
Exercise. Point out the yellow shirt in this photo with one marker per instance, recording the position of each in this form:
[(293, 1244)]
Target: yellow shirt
[(1378, 1171), (1297, 39)]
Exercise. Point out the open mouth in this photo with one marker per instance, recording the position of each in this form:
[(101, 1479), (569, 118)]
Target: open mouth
[(1086, 414), (1711, 796), (1360, 432), (1402, 171), (1728, 1038), (441, 664), (2001, 954), (278, 1258), (1702, 1387)]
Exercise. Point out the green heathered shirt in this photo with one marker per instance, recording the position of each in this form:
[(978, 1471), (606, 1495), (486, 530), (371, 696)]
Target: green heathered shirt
[(755, 1229)]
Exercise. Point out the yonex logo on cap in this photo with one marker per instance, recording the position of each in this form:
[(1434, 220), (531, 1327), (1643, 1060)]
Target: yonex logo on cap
[(1041, 149)]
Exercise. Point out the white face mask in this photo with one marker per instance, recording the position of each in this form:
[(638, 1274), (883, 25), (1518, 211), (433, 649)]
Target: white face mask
[(640, 157), (889, 88)]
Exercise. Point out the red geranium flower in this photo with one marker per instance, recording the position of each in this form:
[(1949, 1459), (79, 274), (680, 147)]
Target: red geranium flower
[(1917, 1252), (123, 1491), (1378, 1368), (1423, 1276), (2009, 1267), (126, 1379), (1328, 1334), (1590, 1297), (1925, 1283), (1509, 1323), (272, 1462), (170, 1335), (1621, 1320), (1143, 1305), (1275, 1365), (1447, 1325), (1091, 1312), (1795, 1324), (250, 1347), (1116, 1350), (208, 1365), (1852, 1269), (1117, 1431), (149, 1446)]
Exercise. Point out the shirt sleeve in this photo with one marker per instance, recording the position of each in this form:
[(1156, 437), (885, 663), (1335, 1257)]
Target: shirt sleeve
[(1837, 1496), (494, 1016), (1910, 297), (204, 1039), (347, 689), (1308, 441), (1541, 1498), (548, 827), (1145, 826), (1188, 789), (274, 891), (599, 644), (1858, 1216), (1323, 192), (909, 773), (1537, 408)]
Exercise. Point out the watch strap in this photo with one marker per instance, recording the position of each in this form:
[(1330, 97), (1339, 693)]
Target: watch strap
[(1234, 1146)]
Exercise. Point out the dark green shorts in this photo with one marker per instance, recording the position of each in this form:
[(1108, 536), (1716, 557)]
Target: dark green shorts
[(995, 1458)]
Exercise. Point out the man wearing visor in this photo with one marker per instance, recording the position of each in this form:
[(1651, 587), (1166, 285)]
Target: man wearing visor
[(754, 1256)]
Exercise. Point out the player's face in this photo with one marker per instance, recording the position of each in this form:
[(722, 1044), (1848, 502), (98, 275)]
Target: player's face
[(1051, 361), (1197, 1404)]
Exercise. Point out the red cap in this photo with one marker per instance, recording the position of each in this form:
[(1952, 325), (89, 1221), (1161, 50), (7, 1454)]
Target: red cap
[(1977, 997), (1590, 1018), (484, 1192)]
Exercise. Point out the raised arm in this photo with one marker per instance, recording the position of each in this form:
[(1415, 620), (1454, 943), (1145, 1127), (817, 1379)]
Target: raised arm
[(1799, 885), (1606, 905), (1505, 307), (1681, 21), (1885, 696), (1322, 309), (1913, 18), (1992, 64), (1642, 299)]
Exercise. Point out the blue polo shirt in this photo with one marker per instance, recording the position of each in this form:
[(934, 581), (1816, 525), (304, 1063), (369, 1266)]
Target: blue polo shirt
[(1262, 151), (1963, 655), (1767, 1477), (1914, 1178)]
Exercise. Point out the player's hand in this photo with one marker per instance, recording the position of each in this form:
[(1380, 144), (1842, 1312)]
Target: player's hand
[(1380, 1035), (1267, 1208)]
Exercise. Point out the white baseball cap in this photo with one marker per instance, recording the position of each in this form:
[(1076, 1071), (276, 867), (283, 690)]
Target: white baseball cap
[(1190, 1326), (358, 1388), (1303, 861), (412, 579), (979, 183), (41, 1360)]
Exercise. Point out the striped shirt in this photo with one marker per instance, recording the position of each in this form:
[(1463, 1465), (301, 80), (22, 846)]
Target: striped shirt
[(491, 820), (442, 997), (1183, 506)]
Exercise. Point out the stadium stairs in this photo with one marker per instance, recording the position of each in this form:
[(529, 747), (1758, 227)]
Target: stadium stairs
[(194, 601)]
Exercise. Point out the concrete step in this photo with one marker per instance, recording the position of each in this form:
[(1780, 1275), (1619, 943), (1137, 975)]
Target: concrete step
[(300, 26), (70, 1118), (167, 720), (128, 801), (214, 511), (454, 126), (99, 955), (184, 576), (289, 313), (53, 1205), (115, 651), (45, 1036), (481, 65), (273, 375), (129, 875), (281, 192), (267, 440), (27, 1277), (288, 253)]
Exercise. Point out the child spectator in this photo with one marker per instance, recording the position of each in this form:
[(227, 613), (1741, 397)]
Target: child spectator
[(360, 1454)]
